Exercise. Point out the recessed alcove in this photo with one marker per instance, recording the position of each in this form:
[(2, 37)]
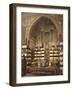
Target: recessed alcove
[(43, 33)]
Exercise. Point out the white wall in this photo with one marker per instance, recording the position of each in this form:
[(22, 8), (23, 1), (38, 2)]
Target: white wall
[(4, 45)]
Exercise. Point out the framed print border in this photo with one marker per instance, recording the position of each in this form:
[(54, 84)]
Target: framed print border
[(13, 43)]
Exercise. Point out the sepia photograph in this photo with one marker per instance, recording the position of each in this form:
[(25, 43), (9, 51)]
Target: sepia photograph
[(41, 44)]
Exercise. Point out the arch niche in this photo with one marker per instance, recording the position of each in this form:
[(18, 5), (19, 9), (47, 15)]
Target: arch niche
[(43, 33)]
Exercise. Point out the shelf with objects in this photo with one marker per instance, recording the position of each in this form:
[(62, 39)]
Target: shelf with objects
[(40, 61), (26, 59), (60, 46)]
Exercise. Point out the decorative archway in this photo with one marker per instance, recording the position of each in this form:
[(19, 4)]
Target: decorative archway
[(43, 32)]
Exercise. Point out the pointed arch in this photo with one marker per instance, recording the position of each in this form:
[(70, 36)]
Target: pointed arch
[(44, 19)]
